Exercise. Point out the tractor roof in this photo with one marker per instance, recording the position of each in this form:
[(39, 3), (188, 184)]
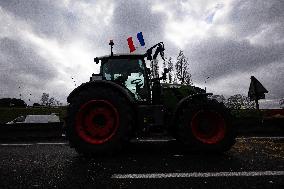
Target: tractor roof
[(159, 50), (117, 56), (122, 56)]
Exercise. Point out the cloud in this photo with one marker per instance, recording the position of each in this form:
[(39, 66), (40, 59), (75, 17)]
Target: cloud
[(250, 17), (243, 38), (45, 43), (44, 17), (131, 17), (40, 62), (217, 57), (22, 60), (22, 68)]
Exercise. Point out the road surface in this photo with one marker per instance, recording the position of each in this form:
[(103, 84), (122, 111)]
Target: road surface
[(251, 163)]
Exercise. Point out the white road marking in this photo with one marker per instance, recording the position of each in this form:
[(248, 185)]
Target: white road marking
[(279, 137), (197, 174), (141, 140), (155, 140), (178, 155), (39, 143), (172, 139), (137, 140), (16, 144), (52, 143)]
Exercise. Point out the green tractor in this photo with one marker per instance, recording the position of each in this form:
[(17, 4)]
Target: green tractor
[(123, 102)]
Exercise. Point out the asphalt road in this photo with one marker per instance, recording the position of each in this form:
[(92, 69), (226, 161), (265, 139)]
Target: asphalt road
[(251, 163)]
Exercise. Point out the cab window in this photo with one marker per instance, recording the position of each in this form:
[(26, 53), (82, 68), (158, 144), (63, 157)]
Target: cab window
[(129, 73)]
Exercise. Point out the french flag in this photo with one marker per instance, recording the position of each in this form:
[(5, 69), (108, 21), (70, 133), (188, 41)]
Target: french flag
[(131, 43)]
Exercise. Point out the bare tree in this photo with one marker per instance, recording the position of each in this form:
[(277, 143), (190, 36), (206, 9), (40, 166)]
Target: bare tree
[(182, 72), (44, 99), (58, 103), (164, 63), (281, 103), (187, 78), (171, 69), (175, 81), (51, 101)]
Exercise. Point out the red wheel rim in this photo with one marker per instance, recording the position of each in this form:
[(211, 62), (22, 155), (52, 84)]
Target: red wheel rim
[(97, 121), (208, 127)]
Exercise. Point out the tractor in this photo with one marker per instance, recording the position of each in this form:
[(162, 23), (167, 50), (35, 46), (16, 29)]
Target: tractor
[(123, 102)]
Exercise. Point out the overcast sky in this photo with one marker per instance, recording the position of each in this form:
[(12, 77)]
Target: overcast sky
[(45, 43)]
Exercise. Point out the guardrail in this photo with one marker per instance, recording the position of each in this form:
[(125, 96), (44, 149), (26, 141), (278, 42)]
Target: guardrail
[(37, 130), (245, 127)]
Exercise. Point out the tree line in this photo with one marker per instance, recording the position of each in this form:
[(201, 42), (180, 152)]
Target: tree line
[(49, 101), (44, 101)]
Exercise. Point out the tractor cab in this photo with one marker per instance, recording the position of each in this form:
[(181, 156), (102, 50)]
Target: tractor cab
[(130, 72)]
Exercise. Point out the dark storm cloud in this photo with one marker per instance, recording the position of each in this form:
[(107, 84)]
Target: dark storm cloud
[(131, 17), (255, 46), (249, 17), (136, 15), (217, 57), (20, 64), (63, 23), (271, 76), (46, 17)]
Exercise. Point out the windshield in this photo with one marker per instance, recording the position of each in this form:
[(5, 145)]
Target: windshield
[(127, 72)]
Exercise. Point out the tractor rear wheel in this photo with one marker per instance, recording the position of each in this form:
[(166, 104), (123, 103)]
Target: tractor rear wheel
[(206, 126), (98, 121)]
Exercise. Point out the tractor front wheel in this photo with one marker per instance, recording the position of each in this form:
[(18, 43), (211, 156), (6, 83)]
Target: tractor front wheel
[(98, 121)]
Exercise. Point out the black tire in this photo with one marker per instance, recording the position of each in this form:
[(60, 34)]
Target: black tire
[(205, 126), (98, 121)]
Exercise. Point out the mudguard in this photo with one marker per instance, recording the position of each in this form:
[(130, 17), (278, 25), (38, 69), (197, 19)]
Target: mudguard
[(97, 83)]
